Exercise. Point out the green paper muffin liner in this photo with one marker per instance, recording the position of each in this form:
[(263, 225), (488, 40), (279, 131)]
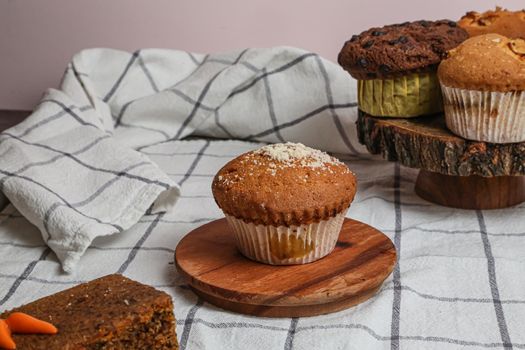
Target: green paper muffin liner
[(411, 95)]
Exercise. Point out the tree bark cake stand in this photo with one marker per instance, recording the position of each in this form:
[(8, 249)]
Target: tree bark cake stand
[(454, 172), (208, 259)]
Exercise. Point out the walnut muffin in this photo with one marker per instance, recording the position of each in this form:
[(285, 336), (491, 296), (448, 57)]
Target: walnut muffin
[(508, 23), (285, 202), (395, 66), (482, 82)]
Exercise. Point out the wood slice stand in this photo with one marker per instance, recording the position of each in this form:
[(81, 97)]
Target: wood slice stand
[(213, 267), (455, 172)]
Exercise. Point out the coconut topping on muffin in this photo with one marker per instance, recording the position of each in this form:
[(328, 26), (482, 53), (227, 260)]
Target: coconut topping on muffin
[(290, 154)]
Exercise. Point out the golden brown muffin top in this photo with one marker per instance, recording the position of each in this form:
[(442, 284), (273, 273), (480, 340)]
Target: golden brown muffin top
[(489, 62), (508, 23), (284, 184)]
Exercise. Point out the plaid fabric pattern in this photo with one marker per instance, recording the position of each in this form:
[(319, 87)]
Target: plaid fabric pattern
[(457, 283)]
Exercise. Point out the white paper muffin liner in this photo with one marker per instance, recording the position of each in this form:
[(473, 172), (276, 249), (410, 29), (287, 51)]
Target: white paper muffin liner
[(496, 117), (287, 245)]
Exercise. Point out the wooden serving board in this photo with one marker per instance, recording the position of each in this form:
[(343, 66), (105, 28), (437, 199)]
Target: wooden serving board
[(426, 143), (213, 267), (455, 172)]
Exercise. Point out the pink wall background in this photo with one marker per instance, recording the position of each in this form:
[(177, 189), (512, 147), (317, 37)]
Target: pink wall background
[(37, 38)]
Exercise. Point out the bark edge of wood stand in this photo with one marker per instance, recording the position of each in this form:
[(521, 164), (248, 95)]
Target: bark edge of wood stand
[(455, 172)]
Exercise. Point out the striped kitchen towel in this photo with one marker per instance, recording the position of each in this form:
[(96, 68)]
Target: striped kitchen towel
[(75, 169)]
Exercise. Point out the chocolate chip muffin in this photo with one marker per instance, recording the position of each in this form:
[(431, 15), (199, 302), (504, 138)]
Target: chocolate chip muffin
[(508, 23), (396, 66), (285, 202), (483, 81)]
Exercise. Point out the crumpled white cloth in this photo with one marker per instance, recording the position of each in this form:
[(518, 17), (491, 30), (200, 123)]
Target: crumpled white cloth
[(74, 167), (459, 280)]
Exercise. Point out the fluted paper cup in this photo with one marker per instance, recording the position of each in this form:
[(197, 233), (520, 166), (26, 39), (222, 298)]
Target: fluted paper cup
[(287, 245), (495, 117), (406, 96)]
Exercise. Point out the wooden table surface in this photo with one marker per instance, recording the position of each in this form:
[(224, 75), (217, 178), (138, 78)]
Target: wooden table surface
[(10, 118)]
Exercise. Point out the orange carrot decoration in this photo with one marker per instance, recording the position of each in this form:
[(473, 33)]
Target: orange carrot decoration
[(19, 322), (6, 342)]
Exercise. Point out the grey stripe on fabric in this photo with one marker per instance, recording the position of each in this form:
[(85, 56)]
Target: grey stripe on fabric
[(226, 325), (396, 304), (69, 111), (191, 313), (191, 154), (288, 343), (195, 108), (147, 73), (193, 58), (118, 118), (56, 195), (335, 116), (299, 119), (88, 200), (274, 71), (188, 323), (193, 175), (464, 232), (106, 185), (455, 299), (140, 242), (199, 65), (196, 161), (88, 166), (196, 196), (125, 125), (190, 100), (238, 59), (44, 121), (251, 66), (406, 204), (41, 280), (155, 249), (71, 68), (356, 326), (429, 339), (54, 159), (115, 86), (494, 289), (70, 282), (271, 108), (220, 125), (25, 274), (167, 221), (228, 62)]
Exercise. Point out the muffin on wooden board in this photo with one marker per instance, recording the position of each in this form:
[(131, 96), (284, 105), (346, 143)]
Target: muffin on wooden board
[(482, 82), (285, 202), (508, 23), (396, 66)]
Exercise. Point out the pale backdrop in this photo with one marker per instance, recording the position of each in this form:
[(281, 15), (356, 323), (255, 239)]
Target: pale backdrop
[(37, 37)]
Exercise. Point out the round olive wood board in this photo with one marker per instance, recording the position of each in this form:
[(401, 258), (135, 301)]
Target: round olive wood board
[(455, 172), (209, 261)]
